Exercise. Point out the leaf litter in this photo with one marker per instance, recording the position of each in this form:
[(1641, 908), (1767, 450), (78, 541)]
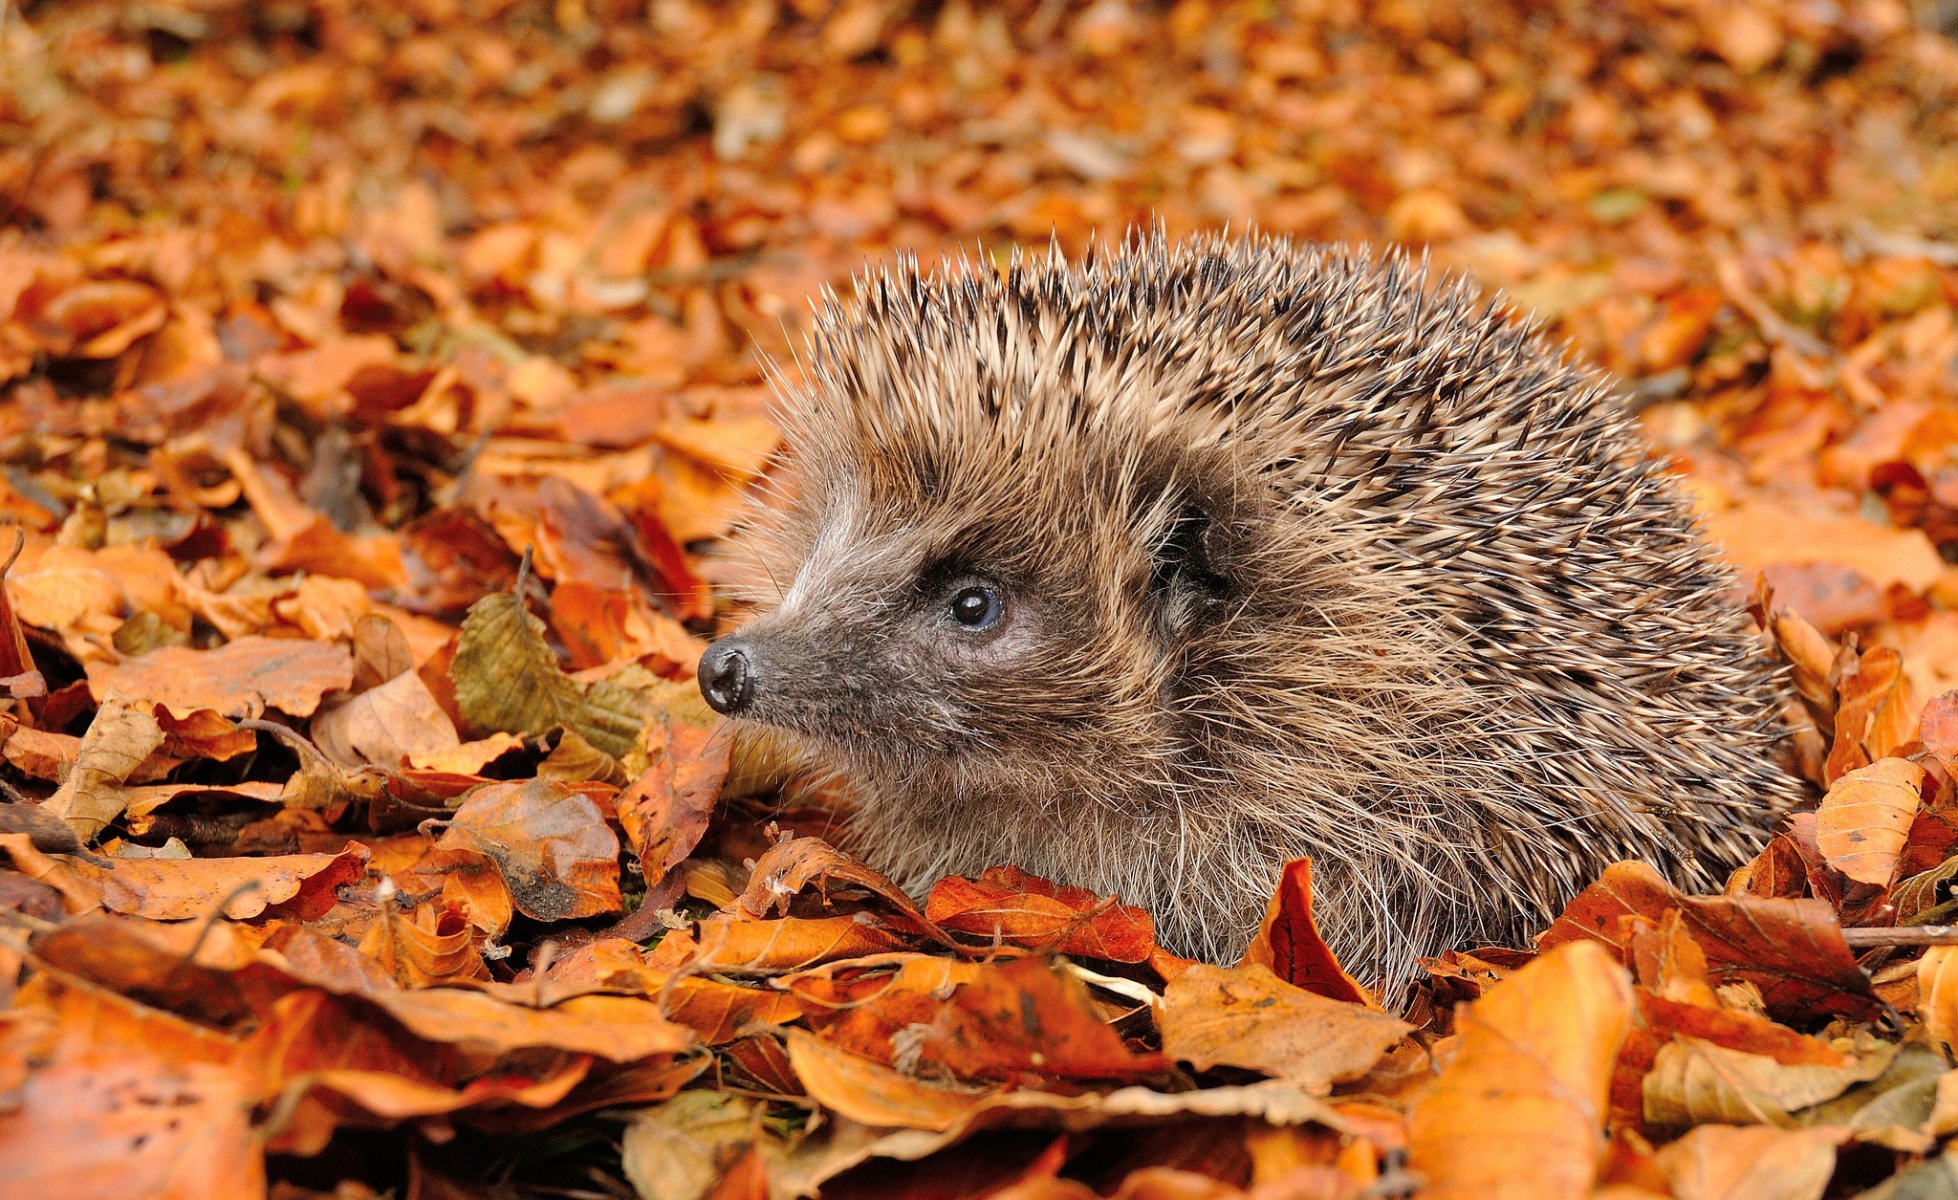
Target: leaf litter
[(377, 382)]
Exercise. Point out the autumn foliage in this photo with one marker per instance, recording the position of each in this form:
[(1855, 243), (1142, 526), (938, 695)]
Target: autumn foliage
[(376, 381)]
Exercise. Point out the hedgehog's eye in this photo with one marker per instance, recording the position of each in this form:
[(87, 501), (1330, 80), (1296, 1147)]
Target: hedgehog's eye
[(976, 607)]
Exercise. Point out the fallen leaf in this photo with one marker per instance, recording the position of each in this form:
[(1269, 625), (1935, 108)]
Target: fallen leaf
[(1865, 819), (617, 1029), (1793, 950), (1247, 1017), (1007, 904), (1289, 943), (664, 811), (385, 725), (746, 946), (181, 889), (124, 1100), (1519, 1110), (120, 738), (1026, 1021), (242, 678), (558, 856), (429, 947), (1694, 1082), (791, 865), (874, 1094), (507, 680), (681, 1149), (1722, 1162)]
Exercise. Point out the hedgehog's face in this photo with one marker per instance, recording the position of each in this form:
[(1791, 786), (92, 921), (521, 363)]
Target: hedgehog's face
[(994, 635)]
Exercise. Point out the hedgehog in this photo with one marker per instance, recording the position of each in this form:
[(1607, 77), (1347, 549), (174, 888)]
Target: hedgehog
[(1151, 572)]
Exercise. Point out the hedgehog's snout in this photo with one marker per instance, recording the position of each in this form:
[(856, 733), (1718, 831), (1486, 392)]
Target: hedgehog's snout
[(728, 675)]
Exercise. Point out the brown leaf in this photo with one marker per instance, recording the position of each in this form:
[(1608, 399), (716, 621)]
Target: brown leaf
[(430, 946), (1028, 1021), (664, 812), (1937, 727), (1008, 904), (1248, 1017), (386, 724), (470, 879), (742, 946), (102, 318), (16, 660), (1721, 1162), (1288, 941), (1876, 712), (78, 895), (164, 889), (617, 1029), (1519, 1111), (454, 559), (1937, 992), (120, 737), (792, 865), (696, 1146), (203, 734), (867, 1013), (123, 1100), (323, 1067), (720, 1011), (557, 854), (1792, 950), (1866, 816), (873, 1094), (239, 679), (1697, 1083)]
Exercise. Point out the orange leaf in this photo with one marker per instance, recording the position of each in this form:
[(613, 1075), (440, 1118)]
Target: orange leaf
[(1248, 1017), (1793, 950), (239, 679), (1289, 943), (1015, 907), (791, 943), (866, 1091), (617, 1029), (1519, 1111), (432, 945), (123, 1100), (164, 889), (557, 853), (1027, 1020), (1750, 1162), (664, 812), (792, 865), (1865, 819), (1937, 990)]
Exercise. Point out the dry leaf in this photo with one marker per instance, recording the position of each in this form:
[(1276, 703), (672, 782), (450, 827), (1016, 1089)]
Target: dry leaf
[(242, 678), (1721, 1162), (120, 738), (1865, 819), (558, 856), (1247, 1017), (1519, 1110)]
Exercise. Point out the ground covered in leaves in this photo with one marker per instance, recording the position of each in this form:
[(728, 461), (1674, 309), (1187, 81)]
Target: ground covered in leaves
[(377, 377)]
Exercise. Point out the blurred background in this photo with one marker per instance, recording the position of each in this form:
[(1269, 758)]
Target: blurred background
[(428, 253)]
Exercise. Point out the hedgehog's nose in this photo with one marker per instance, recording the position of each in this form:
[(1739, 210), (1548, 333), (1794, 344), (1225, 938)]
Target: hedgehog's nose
[(727, 676)]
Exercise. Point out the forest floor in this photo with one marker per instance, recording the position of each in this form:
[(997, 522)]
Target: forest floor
[(375, 381)]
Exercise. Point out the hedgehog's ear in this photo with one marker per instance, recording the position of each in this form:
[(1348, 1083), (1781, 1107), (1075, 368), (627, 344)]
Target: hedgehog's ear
[(1189, 567)]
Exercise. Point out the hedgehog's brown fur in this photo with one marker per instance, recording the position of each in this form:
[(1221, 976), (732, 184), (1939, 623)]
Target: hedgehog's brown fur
[(1302, 555)]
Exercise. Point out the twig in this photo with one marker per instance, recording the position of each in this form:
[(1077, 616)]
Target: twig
[(1905, 935)]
